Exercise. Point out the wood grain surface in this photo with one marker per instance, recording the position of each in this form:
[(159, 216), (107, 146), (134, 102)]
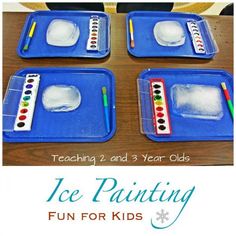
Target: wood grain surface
[(128, 145)]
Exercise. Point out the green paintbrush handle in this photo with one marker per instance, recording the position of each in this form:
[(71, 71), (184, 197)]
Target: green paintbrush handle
[(231, 108)]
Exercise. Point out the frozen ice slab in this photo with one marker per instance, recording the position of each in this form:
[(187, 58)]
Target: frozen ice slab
[(197, 101), (62, 33), (61, 98), (169, 33)]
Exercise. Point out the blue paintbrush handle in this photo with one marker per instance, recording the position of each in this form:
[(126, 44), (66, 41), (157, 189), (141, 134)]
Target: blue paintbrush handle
[(107, 119)]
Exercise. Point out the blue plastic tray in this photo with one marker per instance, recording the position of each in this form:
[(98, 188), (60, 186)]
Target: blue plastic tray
[(86, 123), (146, 45), (40, 48), (190, 129)]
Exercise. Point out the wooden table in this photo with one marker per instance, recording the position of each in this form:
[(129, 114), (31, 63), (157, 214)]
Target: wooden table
[(128, 145)]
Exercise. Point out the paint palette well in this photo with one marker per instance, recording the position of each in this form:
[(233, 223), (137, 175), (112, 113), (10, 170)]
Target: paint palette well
[(84, 124), (185, 129), (39, 47), (145, 42)]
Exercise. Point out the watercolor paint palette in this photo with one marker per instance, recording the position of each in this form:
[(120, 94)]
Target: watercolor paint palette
[(161, 120), (196, 35), (147, 46), (39, 46), (27, 103), (94, 31), (183, 128), (87, 123)]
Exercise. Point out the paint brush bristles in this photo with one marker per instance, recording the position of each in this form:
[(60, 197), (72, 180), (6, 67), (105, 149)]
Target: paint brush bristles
[(223, 85), (104, 90)]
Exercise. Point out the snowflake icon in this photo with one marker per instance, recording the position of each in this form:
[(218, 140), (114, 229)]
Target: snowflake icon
[(162, 216)]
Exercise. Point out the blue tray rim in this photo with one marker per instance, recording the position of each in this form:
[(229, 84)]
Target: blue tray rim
[(186, 69), (203, 138), (207, 56), (71, 140), (199, 139), (18, 51)]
